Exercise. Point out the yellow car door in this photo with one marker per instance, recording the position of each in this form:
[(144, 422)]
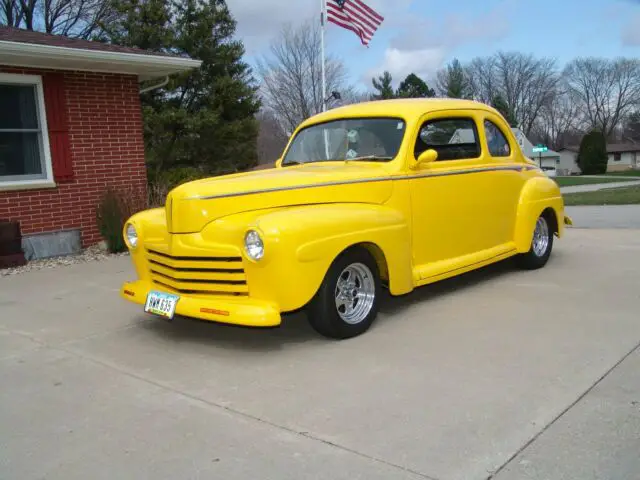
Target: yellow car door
[(446, 194), (505, 179)]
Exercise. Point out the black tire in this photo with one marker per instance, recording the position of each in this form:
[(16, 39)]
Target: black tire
[(537, 257), (323, 312)]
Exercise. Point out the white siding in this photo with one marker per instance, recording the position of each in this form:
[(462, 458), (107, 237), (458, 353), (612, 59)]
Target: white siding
[(627, 159), (568, 161)]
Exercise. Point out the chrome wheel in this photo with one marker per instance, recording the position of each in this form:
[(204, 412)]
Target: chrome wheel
[(355, 293), (540, 237)]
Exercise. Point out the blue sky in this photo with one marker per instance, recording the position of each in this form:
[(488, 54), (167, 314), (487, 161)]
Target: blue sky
[(422, 35)]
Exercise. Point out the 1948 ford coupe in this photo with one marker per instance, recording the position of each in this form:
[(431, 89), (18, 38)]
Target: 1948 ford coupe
[(395, 193)]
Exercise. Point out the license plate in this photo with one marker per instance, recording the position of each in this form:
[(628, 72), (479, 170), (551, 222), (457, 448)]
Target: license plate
[(162, 304)]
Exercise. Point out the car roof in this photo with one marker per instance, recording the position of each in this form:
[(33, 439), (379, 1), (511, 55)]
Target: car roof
[(404, 107)]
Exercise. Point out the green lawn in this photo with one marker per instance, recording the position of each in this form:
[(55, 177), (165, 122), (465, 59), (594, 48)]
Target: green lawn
[(626, 173), (579, 180), (609, 196)]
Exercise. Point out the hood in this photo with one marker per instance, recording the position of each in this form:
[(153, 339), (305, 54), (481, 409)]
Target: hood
[(193, 205)]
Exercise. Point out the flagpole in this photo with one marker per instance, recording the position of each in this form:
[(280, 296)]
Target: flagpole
[(323, 21)]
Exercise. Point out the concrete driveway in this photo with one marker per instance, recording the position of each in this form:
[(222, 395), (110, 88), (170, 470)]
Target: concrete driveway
[(506, 373), (605, 216)]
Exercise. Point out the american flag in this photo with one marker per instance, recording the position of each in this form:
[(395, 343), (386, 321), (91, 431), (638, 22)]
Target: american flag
[(356, 16)]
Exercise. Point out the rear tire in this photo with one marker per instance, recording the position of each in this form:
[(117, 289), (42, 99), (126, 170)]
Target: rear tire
[(346, 303), (541, 245)]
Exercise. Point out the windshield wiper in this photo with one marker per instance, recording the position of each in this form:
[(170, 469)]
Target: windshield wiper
[(373, 158)]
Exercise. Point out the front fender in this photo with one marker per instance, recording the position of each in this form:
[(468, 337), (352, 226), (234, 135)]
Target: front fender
[(302, 242), (538, 194)]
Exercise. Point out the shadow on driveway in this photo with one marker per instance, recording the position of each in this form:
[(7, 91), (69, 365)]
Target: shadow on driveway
[(295, 329)]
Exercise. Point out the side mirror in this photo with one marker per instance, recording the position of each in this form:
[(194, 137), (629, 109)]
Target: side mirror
[(425, 157)]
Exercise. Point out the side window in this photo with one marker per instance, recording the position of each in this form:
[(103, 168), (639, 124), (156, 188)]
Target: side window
[(496, 141), (452, 138)]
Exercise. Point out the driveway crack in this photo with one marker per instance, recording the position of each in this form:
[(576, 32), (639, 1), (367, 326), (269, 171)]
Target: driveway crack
[(563, 412)]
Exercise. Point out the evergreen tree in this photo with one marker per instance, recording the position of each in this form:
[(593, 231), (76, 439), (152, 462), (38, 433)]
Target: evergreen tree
[(383, 85), (204, 118), (453, 82), (501, 106), (414, 87), (592, 157)]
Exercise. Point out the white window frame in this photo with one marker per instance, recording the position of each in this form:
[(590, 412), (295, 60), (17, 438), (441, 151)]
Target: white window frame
[(47, 181)]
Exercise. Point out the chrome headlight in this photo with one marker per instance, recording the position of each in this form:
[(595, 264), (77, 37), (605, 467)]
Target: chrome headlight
[(253, 245), (131, 235)]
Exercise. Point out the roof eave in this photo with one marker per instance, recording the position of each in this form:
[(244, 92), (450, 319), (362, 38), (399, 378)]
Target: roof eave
[(145, 67)]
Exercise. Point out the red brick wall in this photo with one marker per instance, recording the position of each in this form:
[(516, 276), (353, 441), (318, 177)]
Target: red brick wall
[(105, 129)]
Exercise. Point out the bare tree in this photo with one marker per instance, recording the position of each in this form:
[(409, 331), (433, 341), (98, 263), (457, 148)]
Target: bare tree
[(72, 18), (271, 138), (11, 13), (527, 84), (631, 128), (290, 75), (482, 80), (557, 119), (355, 96), (604, 90)]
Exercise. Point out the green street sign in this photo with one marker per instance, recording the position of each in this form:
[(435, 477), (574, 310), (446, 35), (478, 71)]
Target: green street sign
[(539, 149)]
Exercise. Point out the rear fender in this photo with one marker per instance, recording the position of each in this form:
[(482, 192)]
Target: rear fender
[(539, 194)]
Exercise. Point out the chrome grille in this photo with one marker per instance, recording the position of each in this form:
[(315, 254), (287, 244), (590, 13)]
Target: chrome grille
[(198, 275)]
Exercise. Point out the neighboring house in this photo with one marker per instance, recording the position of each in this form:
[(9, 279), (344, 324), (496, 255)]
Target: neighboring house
[(622, 156), (568, 157), (463, 135), (70, 126), (548, 159)]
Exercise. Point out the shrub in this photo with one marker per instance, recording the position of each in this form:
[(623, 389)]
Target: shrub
[(592, 157), (113, 210)]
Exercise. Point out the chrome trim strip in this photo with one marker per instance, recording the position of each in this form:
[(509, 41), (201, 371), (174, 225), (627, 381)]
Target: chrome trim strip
[(365, 180)]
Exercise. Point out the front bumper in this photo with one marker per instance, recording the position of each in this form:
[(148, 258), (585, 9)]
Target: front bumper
[(236, 311)]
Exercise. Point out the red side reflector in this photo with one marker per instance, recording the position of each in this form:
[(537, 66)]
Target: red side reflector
[(214, 311), (130, 293)]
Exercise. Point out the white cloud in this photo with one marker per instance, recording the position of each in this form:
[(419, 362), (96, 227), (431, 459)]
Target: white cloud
[(400, 63), (452, 30), (631, 32), (259, 21), (418, 43), (424, 43)]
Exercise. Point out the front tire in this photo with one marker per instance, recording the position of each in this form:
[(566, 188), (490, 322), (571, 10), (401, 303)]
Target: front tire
[(346, 304), (541, 245)]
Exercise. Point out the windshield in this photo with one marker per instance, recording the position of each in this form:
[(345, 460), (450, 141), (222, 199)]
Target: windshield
[(371, 139)]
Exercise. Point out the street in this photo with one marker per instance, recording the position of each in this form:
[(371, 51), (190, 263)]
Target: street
[(499, 372)]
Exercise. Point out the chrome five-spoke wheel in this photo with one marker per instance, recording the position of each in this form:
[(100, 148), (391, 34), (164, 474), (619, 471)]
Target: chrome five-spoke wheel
[(541, 243), (541, 237), (346, 304), (355, 293)]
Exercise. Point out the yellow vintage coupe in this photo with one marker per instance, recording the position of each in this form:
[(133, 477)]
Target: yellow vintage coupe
[(395, 194)]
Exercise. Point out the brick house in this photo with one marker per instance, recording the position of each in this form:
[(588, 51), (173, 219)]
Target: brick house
[(70, 125)]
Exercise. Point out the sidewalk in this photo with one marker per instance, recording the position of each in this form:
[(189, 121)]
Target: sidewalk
[(598, 186)]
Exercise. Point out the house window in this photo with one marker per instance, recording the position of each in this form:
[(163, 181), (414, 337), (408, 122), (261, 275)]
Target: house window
[(24, 145), (617, 157)]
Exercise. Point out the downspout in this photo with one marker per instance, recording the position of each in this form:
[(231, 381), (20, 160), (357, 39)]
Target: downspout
[(153, 87)]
